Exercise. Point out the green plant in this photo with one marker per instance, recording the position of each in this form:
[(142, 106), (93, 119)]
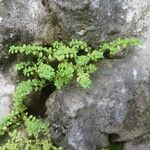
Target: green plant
[(37, 132), (35, 137), (59, 64), (24, 89), (104, 149), (35, 128), (75, 59)]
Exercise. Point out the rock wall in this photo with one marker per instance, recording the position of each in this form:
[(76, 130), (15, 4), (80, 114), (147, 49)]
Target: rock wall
[(24, 21), (21, 21), (98, 20), (118, 104)]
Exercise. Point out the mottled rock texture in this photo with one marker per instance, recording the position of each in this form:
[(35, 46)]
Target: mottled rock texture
[(98, 20), (7, 87), (21, 21), (118, 104), (142, 143), (24, 21)]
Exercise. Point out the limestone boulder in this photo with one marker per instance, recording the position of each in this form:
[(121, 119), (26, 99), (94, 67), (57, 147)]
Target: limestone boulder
[(118, 103)]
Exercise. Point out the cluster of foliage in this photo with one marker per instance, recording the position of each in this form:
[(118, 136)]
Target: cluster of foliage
[(18, 142), (59, 64), (35, 137)]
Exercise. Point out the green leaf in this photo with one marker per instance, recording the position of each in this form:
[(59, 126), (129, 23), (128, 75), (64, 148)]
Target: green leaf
[(64, 74), (46, 71), (90, 69), (84, 80), (82, 60), (96, 55)]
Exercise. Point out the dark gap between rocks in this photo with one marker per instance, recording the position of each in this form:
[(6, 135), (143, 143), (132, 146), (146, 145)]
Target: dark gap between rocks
[(115, 145), (37, 106), (44, 2)]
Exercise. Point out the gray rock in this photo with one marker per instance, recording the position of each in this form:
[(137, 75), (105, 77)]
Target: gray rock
[(99, 20), (142, 143), (21, 22), (24, 21), (7, 87), (118, 104)]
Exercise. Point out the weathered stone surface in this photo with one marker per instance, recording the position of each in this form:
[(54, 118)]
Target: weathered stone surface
[(7, 87), (99, 20), (118, 104), (21, 21), (24, 21), (142, 143)]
